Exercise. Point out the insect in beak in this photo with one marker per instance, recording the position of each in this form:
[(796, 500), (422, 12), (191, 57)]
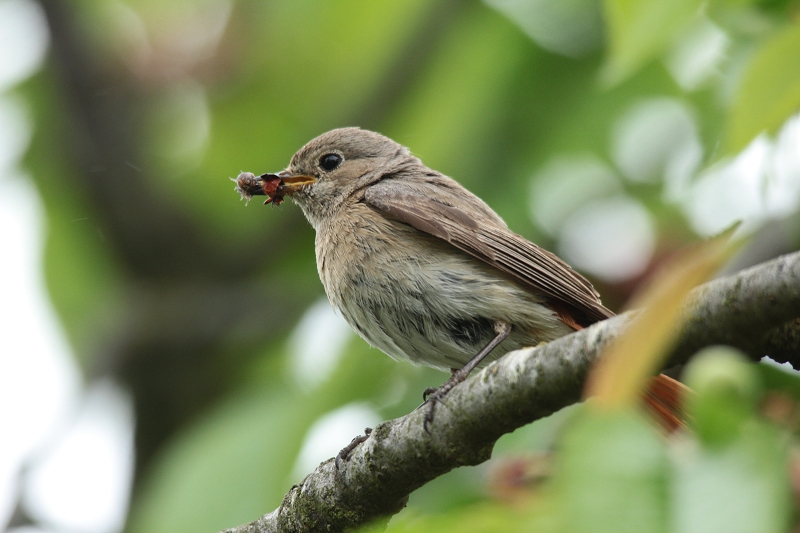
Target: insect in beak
[(273, 186)]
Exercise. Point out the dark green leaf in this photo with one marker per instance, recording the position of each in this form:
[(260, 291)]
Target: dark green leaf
[(769, 92)]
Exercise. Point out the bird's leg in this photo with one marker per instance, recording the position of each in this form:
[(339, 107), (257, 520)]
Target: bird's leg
[(435, 395), (502, 331)]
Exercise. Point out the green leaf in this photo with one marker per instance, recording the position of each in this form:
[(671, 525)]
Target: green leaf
[(775, 378), (640, 30), (235, 463), (79, 263), (479, 518), (769, 92), (446, 116), (229, 468), (726, 388), (739, 488), (736, 480), (612, 474)]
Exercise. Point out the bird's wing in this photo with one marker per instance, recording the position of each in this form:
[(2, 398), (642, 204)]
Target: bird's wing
[(491, 242)]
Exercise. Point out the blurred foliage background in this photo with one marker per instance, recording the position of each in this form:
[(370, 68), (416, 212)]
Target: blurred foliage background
[(612, 132)]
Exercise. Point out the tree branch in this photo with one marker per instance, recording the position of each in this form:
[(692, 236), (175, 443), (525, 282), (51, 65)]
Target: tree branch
[(754, 310)]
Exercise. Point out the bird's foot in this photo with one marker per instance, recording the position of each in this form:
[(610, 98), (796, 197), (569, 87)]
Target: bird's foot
[(344, 453), (435, 395)]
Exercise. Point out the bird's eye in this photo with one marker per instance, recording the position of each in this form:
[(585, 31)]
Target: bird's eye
[(330, 161)]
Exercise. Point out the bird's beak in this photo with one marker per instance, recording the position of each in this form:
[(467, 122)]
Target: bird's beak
[(290, 183)]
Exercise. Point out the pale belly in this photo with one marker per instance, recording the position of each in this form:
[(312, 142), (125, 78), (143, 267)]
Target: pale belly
[(417, 298)]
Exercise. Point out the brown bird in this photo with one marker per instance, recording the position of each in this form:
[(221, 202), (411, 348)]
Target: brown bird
[(419, 266)]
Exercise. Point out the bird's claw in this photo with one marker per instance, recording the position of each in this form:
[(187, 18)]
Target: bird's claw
[(428, 420), (344, 453), (427, 392), (433, 396)]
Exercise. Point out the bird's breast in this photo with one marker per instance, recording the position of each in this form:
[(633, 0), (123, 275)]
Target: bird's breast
[(416, 297)]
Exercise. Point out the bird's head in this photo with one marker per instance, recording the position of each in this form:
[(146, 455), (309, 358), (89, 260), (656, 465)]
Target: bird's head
[(329, 170)]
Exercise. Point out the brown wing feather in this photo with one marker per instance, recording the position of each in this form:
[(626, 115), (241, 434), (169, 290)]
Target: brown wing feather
[(490, 241)]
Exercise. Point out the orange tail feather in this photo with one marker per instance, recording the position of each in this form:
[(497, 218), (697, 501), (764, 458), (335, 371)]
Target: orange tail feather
[(664, 396), (664, 399)]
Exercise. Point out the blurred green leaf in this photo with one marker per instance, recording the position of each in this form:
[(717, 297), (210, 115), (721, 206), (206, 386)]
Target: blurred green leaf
[(540, 436), (769, 92), (81, 275), (80, 268), (640, 30), (734, 478), (460, 95), (740, 488), (480, 518), (468, 485), (451, 492), (236, 463), (612, 474), (228, 469), (570, 27), (726, 389), (778, 379)]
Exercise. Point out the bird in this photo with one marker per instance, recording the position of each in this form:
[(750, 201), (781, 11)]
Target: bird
[(420, 267)]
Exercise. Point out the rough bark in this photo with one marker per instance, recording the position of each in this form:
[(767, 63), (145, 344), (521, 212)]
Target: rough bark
[(755, 310)]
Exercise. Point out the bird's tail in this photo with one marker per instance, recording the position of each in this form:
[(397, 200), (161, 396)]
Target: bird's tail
[(664, 399)]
